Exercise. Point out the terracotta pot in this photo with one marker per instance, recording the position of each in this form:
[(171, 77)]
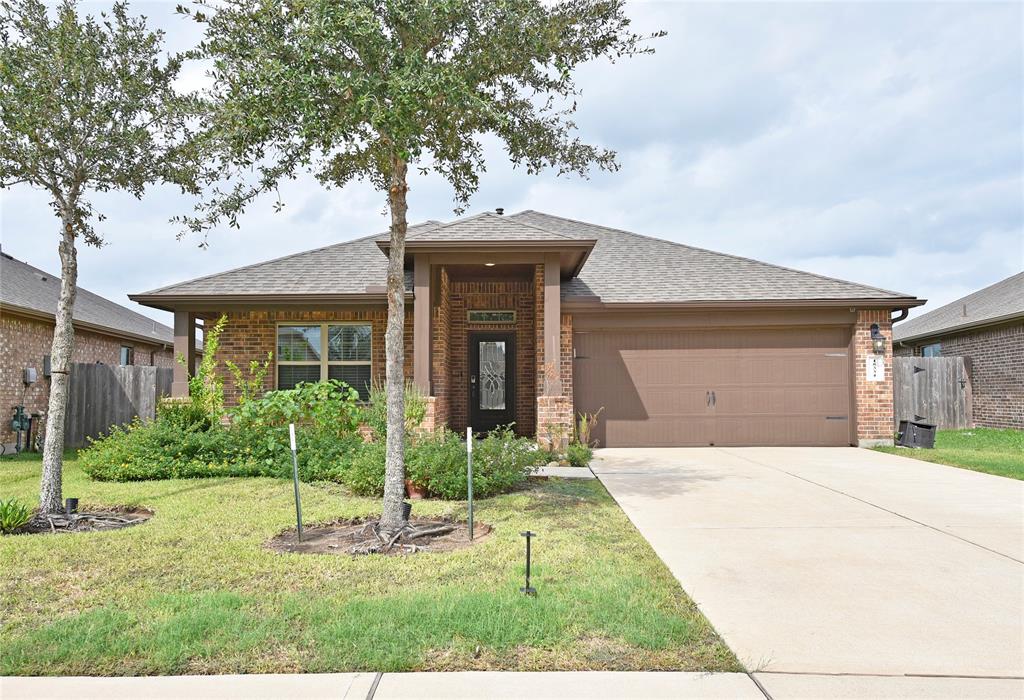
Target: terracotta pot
[(413, 491)]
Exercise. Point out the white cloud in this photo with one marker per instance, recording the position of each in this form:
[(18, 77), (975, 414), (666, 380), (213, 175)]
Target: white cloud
[(878, 142)]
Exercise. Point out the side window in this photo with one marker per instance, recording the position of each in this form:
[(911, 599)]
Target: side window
[(127, 355), (933, 350)]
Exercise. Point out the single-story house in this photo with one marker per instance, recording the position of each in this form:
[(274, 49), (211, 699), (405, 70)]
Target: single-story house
[(532, 319), (986, 328), (104, 332)]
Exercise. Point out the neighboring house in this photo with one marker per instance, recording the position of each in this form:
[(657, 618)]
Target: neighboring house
[(104, 332), (531, 318), (987, 329)]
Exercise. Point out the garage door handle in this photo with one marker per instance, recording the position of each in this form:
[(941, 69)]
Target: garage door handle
[(714, 399), (707, 398)]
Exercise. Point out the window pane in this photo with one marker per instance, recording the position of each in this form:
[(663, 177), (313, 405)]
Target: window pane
[(348, 343), (356, 376), (492, 375), (298, 343), (290, 375)]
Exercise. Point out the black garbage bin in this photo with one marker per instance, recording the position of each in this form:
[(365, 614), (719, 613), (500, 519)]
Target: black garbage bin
[(915, 434)]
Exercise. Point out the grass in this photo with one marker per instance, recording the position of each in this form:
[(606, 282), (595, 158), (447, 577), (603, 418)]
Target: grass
[(195, 591), (988, 450)]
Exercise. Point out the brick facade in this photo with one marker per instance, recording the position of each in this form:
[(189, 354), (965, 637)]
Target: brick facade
[(466, 296), (995, 361), (874, 399), (250, 335), (25, 341)]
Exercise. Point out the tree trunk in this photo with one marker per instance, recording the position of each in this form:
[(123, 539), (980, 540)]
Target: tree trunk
[(60, 366), (394, 345)]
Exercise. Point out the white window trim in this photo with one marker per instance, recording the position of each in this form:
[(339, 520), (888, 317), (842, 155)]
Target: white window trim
[(323, 362)]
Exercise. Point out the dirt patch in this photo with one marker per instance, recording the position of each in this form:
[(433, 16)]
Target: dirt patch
[(115, 518), (344, 536)]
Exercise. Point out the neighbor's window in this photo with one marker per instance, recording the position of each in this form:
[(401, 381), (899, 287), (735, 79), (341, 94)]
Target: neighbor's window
[(313, 353), (933, 350), (127, 355), (491, 316)]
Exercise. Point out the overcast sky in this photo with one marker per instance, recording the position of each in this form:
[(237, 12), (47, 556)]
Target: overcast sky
[(876, 142)]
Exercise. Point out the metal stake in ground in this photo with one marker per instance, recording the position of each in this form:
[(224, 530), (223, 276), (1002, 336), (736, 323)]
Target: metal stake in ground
[(528, 589), (295, 478), (469, 477)]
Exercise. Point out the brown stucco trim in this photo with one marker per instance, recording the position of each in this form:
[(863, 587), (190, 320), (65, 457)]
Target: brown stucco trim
[(584, 305), (258, 302), (32, 314)]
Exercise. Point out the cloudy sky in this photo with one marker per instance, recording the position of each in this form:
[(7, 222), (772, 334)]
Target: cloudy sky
[(877, 142)]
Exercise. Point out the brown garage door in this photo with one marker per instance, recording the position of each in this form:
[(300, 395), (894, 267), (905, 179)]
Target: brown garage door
[(778, 386)]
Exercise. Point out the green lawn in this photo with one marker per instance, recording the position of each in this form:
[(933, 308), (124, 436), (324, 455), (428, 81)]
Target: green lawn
[(986, 450), (194, 590)]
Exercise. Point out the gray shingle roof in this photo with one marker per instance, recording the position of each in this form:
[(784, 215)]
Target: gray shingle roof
[(342, 268), (1000, 301), (626, 267), (488, 226), (27, 287), (623, 267)]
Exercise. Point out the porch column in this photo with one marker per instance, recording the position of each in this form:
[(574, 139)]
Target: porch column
[(421, 324), (184, 346), (552, 325)]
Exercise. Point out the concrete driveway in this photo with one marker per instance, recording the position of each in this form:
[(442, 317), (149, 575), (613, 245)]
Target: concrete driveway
[(837, 560)]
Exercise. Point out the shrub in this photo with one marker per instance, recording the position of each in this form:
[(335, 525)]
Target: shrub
[(437, 463), (13, 515), (205, 387), (183, 413), (578, 454), (250, 387), (375, 413), (330, 407)]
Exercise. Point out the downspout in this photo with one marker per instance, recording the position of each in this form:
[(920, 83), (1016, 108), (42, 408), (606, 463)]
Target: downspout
[(904, 312)]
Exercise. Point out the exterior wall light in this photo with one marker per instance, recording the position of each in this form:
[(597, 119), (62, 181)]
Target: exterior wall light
[(877, 340)]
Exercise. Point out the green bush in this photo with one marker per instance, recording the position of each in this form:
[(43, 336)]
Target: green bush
[(13, 515), (578, 454), (375, 413), (329, 407), (183, 413), (437, 462)]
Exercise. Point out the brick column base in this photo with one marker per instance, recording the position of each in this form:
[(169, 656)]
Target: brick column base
[(554, 421), (429, 424)]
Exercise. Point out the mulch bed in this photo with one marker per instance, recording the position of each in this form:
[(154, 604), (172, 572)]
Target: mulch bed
[(357, 537), (86, 521)]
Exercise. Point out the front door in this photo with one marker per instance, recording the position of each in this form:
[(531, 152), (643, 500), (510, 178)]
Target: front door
[(492, 362)]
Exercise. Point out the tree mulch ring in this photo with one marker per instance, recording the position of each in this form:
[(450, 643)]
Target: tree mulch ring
[(114, 518), (362, 536)]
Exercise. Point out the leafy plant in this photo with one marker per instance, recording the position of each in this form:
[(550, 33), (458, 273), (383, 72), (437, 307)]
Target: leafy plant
[(13, 515), (585, 423), (375, 413), (183, 413), (205, 387), (330, 406), (578, 454), (250, 387)]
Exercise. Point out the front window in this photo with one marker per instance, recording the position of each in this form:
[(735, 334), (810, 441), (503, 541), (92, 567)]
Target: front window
[(933, 350), (127, 355), (313, 353)]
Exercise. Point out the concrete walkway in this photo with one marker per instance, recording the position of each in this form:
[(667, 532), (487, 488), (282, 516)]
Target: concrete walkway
[(838, 560), (509, 686)]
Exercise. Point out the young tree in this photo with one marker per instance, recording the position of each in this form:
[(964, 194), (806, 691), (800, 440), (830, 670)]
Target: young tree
[(364, 89), (84, 108)]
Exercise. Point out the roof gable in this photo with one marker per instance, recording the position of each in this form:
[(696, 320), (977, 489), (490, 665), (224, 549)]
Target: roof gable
[(1001, 301), (25, 287)]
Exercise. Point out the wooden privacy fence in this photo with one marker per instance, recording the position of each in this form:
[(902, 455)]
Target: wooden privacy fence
[(101, 396), (933, 390)]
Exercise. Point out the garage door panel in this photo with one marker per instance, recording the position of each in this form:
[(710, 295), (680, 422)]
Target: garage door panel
[(777, 386)]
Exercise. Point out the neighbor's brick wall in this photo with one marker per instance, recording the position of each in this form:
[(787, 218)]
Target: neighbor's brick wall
[(476, 295), (996, 365), (23, 343), (250, 335), (874, 400)]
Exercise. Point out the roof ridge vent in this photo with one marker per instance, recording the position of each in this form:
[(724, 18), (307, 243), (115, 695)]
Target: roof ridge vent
[(500, 211)]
